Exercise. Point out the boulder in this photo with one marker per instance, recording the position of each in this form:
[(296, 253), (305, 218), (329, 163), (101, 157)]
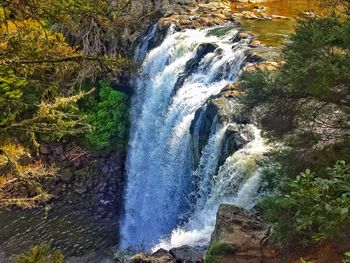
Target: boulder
[(188, 254), (160, 256), (245, 233)]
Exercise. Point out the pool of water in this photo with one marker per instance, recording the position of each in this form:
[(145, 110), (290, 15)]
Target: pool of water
[(73, 230), (275, 32)]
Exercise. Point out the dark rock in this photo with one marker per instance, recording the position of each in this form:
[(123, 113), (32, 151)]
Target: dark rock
[(200, 129), (193, 64), (233, 141), (59, 149), (188, 254), (45, 149), (80, 188), (66, 175)]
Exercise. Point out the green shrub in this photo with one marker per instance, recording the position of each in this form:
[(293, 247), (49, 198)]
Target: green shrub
[(41, 254), (346, 257), (109, 119), (217, 252), (257, 87), (312, 207)]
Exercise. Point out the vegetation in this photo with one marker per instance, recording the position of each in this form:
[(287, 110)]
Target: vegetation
[(109, 119), (346, 257), (305, 104), (41, 254), (21, 180), (312, 207), (217, 251), (51, 55)]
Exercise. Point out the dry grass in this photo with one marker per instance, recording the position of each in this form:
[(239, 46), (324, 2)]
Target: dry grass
[(22, 185)]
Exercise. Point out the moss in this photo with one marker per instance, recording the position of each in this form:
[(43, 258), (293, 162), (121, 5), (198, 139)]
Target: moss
[(217, 252), (41, 254)]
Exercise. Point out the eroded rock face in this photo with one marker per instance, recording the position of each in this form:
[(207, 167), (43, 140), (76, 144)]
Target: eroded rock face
[(245, 233)]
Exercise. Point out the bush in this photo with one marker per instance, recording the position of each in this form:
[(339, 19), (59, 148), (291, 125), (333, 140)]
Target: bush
[(41, 254), (109, 119), (312, 207)]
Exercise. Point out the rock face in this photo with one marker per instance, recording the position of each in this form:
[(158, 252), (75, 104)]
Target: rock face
[(92, 180), (245, 233)]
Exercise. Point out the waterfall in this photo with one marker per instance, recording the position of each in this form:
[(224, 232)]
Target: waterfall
[(177, 78)]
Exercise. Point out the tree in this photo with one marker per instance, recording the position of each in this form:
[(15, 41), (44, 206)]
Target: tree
[(109, 119)]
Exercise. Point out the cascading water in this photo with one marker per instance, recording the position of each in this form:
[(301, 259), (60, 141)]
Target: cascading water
[(177, 78), (236, 182)]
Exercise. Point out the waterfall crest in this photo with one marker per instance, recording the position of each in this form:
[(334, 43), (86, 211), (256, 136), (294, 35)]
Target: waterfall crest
[(166, 200)]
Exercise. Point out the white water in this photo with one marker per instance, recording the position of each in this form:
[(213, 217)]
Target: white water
[(159, 162), (236, 182)]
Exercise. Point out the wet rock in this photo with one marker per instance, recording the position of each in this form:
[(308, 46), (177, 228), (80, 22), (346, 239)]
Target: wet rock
[(235, 138), (245, 233), (188, 254), (193, 64)]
